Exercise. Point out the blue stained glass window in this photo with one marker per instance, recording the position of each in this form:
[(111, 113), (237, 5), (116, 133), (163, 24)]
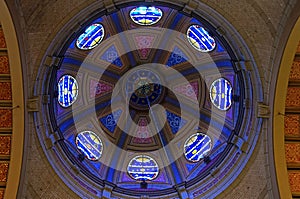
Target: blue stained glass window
[(221, 94), (142, 168), (146, 15), (200, 39), (67, 90), (197, 146), (89, 144), (91, 37)]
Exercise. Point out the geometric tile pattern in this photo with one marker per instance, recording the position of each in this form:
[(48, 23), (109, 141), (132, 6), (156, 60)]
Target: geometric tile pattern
[(4, 64), (3, 172), (295, 71), (292, 153), (5, 91), (143, 135), (293, 97), (5, 118), (291, 125), (175, 122), (144, 43), (112, 56), (5, 144), (294, 179), (99, 88), (2, 39), (176, 57), (110, 121), (189, 90), (1, 193)]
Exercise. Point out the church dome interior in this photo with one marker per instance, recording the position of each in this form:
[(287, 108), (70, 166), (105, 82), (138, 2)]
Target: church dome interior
[(146, 100), (149, 99)]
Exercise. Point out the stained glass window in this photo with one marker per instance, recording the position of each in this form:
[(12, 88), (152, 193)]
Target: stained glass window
[(146, 15), (142, 168), (67, 90), (200, 39), (197, 146), (91, 37), (221, 94), (89, 144)]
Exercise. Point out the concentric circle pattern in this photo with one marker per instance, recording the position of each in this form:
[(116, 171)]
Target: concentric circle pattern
[(145, 89), (154, 104)]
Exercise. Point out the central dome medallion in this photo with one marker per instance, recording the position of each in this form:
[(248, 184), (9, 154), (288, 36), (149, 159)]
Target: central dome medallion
[(144, 88)]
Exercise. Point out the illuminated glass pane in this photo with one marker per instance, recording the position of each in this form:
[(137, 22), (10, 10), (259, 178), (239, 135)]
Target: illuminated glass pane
[(221, 94), (143, 167), (89, 144), (197, 146), (146, 15), (67, 90), (91, 37), (200, 39)]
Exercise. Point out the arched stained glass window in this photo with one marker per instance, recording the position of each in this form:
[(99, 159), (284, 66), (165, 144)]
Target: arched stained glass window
[(200, 39), (89, 144), (67, 90), (142, 168), (221, 94), (91, 37), (146, 15), (197, 146)]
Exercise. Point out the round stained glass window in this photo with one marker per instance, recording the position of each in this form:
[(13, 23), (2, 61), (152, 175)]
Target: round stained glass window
[(67, 90), (91, 37), (89, 144), (221, 94), (197, 146), (200, 39), (146, 15), (142, 168)]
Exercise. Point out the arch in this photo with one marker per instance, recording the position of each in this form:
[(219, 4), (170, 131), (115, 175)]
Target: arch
[(15, 164), (279, 109)]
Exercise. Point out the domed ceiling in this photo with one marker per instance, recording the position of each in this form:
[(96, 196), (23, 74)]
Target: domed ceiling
[(146, 100)]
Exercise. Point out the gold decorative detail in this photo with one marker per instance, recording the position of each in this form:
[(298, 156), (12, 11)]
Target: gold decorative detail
[(293, 97), (295, 71), (2, 193), (4, 65), (3, 172), (5, 91), (2, 39), (294, 179), (5, 118), (292, 152), (5, 144), (291, 125)]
